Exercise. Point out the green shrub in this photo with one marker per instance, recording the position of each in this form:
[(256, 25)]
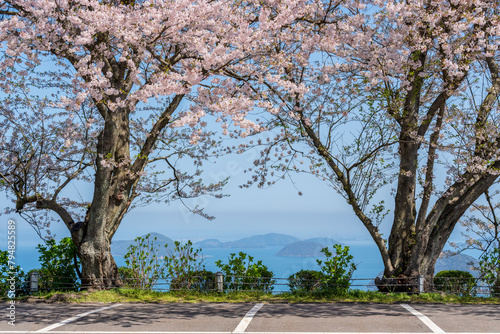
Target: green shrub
[(337, 269), (145, 264), (59, 266), (242, 274), (128, 277), (201, 281), (11, 274), (489, 267), (456, 282), (306, 281), (183, 265)]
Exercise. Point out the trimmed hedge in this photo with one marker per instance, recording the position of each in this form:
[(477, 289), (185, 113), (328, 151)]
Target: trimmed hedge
[(456, 282)]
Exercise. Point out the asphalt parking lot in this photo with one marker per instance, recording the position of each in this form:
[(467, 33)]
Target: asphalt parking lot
[(252, 318)]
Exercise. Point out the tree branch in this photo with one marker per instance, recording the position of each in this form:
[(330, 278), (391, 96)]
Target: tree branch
[(155, 132), (429, 175)]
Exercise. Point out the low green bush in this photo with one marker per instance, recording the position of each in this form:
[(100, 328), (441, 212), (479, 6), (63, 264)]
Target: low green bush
[(144, 263), (12, 278), (456, 282), (201, 281), (333, 279), (184, 267), (60, 266), (241, 273), (306, 281), (337, 268), (129, 277)]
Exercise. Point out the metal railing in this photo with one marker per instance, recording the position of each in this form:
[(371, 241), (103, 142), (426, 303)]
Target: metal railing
[(219, 283)]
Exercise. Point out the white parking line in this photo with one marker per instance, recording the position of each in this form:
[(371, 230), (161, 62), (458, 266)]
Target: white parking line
[(181, 332), (428, 322), (247, 318), (76, 317), (140, 332)]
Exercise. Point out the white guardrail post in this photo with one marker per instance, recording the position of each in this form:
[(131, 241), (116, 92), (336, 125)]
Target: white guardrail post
[(421, 282), (219, 281), (34, 281)]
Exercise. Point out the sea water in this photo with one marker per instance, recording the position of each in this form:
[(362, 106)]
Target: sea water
[(366, 257)]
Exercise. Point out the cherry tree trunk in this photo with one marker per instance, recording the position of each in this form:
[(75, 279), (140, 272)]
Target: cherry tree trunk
[(93, 239), (113, 194), (99, 270), (427, 240)]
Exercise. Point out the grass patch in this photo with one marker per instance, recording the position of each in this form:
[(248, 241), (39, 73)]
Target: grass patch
[(354, 296)]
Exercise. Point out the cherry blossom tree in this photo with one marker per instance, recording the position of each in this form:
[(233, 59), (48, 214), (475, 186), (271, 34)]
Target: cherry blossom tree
[(132, 71), (375, 93)]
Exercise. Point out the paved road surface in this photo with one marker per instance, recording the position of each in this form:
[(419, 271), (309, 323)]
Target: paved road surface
[(252, 318)]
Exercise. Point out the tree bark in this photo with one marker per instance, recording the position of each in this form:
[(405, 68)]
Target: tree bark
[(99, 269), (402, 234)]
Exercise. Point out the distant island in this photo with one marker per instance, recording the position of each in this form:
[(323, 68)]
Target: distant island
[(210, 243), (306, 248), (457, 262)]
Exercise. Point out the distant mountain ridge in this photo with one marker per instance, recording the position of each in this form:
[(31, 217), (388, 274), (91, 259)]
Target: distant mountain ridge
[(256, 241)]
